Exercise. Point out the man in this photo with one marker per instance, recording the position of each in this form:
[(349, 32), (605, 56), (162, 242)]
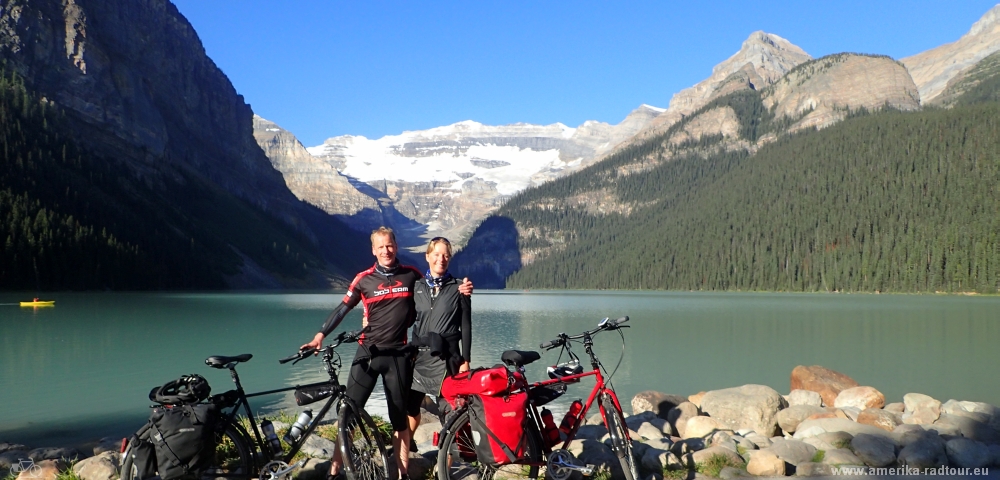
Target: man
[(386, 291)]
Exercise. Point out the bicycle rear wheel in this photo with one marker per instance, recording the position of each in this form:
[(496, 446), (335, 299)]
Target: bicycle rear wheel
[(361, 445), (232, 458), (620, 442), (457, 455)]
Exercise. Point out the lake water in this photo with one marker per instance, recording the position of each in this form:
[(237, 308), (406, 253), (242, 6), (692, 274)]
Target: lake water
[(83, 369)]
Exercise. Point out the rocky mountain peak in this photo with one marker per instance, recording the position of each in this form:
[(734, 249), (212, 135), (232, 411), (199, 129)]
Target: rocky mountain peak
[(988, 22), (933, 69)]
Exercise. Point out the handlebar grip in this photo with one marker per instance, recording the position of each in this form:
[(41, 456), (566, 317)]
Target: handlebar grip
[(298, 356), (621, 320), (552, 344)]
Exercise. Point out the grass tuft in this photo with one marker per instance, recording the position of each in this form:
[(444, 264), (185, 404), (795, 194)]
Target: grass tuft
[(818, 456), (715, 464)]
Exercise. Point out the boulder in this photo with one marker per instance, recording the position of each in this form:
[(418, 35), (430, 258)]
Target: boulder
[(47, 470), (597, 454), (851, 413), (313, 469), (766, 464), (907, 434), (108, 444), (840, 456), (319, 447), (657, 460), (827, 383), (104, 466), (963, 452), (11, 457), (875, 451), (804, 397), (657, 402), (811, 428), (970, 427), (761, 441), (5, 447), (860, 398), (923, 453), (748, 406), (963, 408), (634, 421), (897, 407), (687, 445), (53, 453), (702, 456), (831, 441), (921, 416), (877, 417), (702, 426), (678, 416), (744, 443), (994, 455), (426, 430), (811, 469), (724, 440), (419, 466), (728, 473), (696, 398), (790, 417), (648, 431), (793, 451), (593, 432)]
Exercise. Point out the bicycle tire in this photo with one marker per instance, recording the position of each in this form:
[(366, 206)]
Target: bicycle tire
[(361, 445), (620, 443), (457, 454), (232, 460)]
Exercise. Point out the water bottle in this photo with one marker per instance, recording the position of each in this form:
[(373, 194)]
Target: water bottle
[(272, 438), (570, 419), (300, 425), (550, 433)]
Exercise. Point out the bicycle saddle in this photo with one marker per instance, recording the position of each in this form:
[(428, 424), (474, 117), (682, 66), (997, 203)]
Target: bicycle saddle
[(220, 361), (519, 358)]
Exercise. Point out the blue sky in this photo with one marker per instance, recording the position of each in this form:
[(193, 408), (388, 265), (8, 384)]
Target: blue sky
[(326, 68)]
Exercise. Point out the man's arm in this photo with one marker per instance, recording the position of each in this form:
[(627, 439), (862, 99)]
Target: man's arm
[(466, 287)]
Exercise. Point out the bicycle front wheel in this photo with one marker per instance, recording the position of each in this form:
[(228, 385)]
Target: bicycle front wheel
[(620, 442), (232, 458), (457, 455), (361, 445)]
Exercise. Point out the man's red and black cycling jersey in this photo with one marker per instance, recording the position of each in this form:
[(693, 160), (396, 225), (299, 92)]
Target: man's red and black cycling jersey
[(387, 296)]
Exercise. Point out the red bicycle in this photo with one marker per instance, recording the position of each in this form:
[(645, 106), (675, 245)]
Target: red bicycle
[(457, 455)]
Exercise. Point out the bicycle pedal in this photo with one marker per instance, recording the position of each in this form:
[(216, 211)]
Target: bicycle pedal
[(587, 470)]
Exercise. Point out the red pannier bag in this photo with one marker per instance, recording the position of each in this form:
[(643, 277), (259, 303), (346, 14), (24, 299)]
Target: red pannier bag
[(487, 381), (498, 427)]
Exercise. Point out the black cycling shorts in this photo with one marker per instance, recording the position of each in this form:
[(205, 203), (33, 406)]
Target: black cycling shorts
[(396, 370)]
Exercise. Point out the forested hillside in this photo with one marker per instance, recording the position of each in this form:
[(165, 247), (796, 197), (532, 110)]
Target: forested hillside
[(73, 220), (891, 201)]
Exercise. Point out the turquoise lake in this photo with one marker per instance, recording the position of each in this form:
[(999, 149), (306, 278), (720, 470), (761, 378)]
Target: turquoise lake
[(82, 370)]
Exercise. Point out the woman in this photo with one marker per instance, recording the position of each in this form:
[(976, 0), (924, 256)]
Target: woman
[(444, 322)]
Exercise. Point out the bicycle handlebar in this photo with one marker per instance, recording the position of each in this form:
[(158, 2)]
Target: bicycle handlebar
[(343, 337), (604, 325)]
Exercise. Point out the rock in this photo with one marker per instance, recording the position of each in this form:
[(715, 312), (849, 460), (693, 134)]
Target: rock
[(766, 464), (907, 434), (972, 410), (916, 401), (687, 445), (595, 419), (634, 421), (970, 427), (804, 397), (319, 447), (923, 453), (790, 417), (104, 466), (47, 470), (963, 452), (426, 430), (11, 457), (875, 451), (656, 460), (824, 381), (313, 469), (897, 407), (830, 441), (696, 398), (648, 431), (840, 456), (598, 454), (878, 418), (944, 430), (759, 440), (921, 416), (811, 428), (859, 397), (994, 455), (811, 469), (63, 453), (728, 473), (748, 406), (656, 402), (701, 427), (678, 416), (793, 451), (702, 456), (5, 447), (744, 443), (724, 440), (593, 432), (851, 413), (108, 444)]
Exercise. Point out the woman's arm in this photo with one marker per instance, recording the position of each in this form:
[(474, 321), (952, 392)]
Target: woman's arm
[(465, 305)]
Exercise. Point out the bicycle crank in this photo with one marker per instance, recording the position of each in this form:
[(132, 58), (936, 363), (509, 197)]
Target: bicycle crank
[(277, 469), (562, 464)]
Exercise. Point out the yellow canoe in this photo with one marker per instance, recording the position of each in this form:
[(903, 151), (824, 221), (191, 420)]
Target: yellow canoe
[(40, 303)]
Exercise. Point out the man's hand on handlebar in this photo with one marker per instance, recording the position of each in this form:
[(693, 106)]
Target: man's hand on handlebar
[(316, 343)]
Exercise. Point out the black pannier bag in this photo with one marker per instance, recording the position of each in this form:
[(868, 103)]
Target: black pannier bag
[(143, 458), (183, 438)]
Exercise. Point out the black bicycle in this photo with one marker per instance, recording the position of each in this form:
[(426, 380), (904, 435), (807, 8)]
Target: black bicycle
[(240, 455)]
